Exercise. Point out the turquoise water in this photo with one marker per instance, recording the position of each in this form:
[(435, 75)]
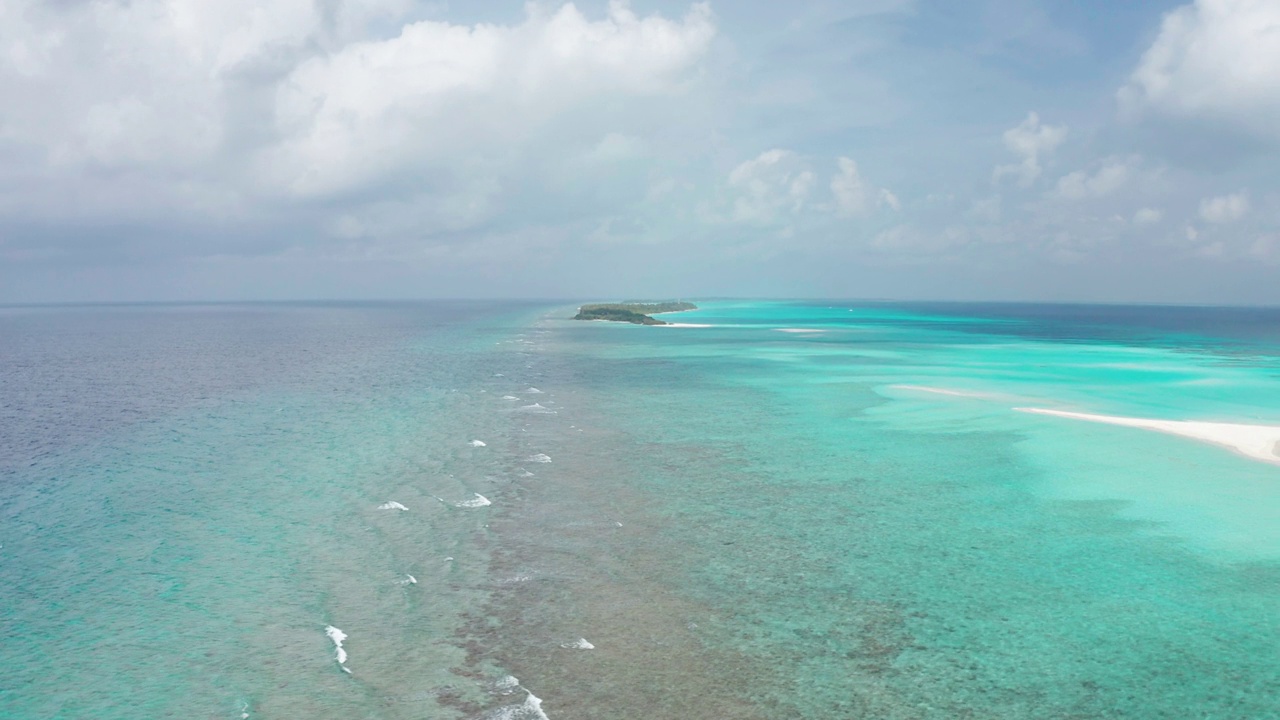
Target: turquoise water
[(743, 520)]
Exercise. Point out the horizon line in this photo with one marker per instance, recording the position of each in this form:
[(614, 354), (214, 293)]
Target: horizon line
[(589, 299)]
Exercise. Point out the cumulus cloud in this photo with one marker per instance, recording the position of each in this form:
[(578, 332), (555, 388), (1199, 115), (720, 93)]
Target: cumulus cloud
[(852, 195), (1030, 141), (1213, 251), (988, 210), (236, 108), (778, 185), (913, 241), (1224, 209), (436, 88), (1213, 59), (1113, 175), (775, 183), (1147, 216), (1266, 248), (152, 82)]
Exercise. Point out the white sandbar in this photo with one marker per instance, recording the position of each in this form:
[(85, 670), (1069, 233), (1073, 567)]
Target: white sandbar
[(939, 391), (1259, 442)]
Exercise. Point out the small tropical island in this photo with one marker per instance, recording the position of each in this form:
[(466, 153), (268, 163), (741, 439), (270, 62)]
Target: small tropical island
[(635, 313)]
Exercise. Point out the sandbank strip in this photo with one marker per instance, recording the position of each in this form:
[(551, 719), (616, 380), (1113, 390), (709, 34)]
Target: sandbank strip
[(940, 391), (1259, 442)]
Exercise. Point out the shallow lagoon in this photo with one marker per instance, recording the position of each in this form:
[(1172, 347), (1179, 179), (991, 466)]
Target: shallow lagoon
[(741, 522)]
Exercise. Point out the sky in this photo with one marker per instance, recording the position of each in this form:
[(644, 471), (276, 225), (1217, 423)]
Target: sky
[(1083, 150)]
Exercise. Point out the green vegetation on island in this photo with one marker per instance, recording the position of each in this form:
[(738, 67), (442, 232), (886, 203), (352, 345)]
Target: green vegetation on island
[(636, 313)]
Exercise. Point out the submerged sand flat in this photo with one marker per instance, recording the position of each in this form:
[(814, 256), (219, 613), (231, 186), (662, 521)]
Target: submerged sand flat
[(940, 391), (1259, 442)]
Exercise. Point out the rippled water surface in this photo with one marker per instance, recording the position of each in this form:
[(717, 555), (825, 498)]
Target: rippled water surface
[(783, 510)]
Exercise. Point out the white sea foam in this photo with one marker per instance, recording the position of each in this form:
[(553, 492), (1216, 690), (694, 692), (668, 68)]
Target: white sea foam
[(530, 709), (534, 391), (407, 580), (392, 505), (579, 644), (685, 325), (507, 684), (800, 330), (475, 502), (540, 458), (477, 443), (510, 397), (338, 637), (1259, 442), (525, 473), (537, 408)]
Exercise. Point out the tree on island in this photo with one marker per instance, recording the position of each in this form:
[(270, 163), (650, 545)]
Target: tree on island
[(635, 313)]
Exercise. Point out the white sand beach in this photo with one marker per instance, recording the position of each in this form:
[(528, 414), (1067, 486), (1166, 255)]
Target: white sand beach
[(1259, 442)]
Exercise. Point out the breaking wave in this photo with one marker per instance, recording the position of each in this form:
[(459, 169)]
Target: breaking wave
[(475, 502), (530, 709), (338, 637)]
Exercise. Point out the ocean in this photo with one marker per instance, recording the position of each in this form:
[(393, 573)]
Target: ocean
[(768, 510)]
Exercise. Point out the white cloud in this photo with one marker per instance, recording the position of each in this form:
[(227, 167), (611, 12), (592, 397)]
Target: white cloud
[(616, 147), (848, 189), (852, 195), (988, 210), (1192, 233), (437, 89), (149, 107), (1214, 250), (1266, 248), (777, 186), (775, 183), (153, 83), (910, 240), (1215, 59), (1224, 209), (1147, 216), (1031, 141), (1114, 174)]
